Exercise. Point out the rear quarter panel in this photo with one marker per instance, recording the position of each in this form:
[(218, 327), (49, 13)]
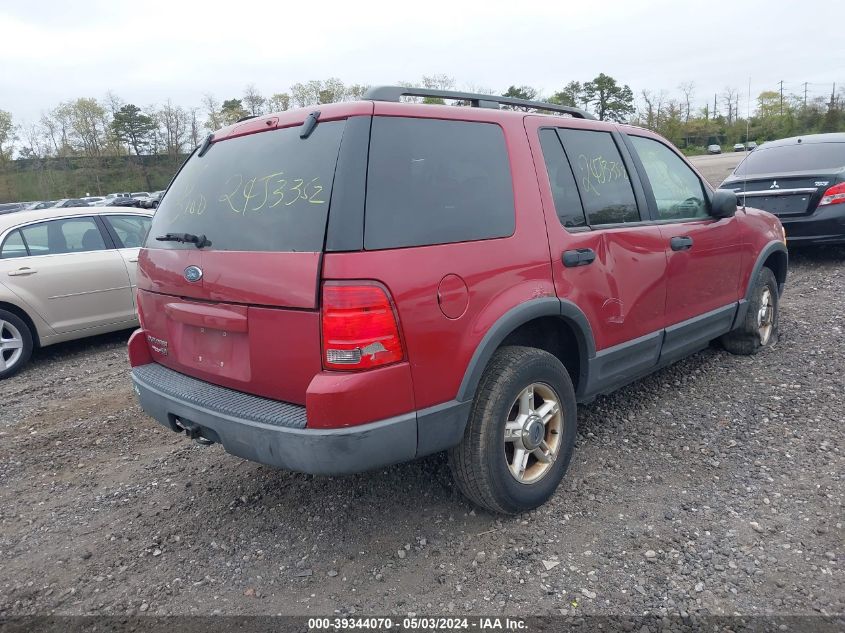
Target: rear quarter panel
[(45, 333)]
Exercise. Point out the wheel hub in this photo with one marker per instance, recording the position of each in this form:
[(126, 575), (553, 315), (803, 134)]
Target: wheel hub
[(533, 432)]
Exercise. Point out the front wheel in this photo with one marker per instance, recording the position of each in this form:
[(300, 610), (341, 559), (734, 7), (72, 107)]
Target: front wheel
[(759, 329), (521, 432)]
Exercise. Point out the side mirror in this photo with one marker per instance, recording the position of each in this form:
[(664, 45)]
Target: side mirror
[(723, 204)]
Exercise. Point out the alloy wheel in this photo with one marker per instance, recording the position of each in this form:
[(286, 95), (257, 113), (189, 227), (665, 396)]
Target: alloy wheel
[(533, 433)]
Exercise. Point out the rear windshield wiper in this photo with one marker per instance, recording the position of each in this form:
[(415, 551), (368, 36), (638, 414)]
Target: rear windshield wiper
[(185, 238)]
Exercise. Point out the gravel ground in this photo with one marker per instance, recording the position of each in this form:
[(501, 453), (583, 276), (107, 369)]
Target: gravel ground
[(714, 486)]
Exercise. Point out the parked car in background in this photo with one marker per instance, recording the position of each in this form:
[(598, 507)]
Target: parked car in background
[(47, 204), (118, 195), (65, 274), (122, 202), (802, 181), (92, 199), (28, 206), (152, 200), (714, 149), (482, 271), (10, 207), (65, 203), (751, 145), (140, 194), (739, 147)]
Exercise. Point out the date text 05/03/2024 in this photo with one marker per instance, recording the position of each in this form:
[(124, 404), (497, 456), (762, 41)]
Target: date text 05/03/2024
[(412, 623)]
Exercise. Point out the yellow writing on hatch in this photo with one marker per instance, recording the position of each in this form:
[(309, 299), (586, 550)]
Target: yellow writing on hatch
[(189, 203), (244, 196)]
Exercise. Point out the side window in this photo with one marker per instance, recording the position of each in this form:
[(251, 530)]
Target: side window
[(678, 192), (435, 182), (71, 235), (13, 246), (568, 205), (131, 230), (601, 177)]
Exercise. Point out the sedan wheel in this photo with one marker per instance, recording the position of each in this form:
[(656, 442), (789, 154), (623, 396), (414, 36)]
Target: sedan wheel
[(15, 343), (11, 346)]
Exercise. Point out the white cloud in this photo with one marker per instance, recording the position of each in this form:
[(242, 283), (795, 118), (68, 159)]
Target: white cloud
[(146, 52)]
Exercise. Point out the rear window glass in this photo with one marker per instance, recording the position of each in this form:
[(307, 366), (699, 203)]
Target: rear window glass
[(267, 191), (131, 230), (803, 157), (601, 176), (56, 237), (435, 182)]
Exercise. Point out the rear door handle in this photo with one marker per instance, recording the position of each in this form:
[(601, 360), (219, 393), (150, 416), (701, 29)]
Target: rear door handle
[(578, 257), (681, 243), (22, 272), (132, 260)]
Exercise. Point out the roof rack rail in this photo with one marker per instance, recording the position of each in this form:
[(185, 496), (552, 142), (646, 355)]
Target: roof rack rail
[(476, 100)]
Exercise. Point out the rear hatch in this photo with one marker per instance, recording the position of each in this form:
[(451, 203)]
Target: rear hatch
[(790, 177), (783, 196), (242, 311)]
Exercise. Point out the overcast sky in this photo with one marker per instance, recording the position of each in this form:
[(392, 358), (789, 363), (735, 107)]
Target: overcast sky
[(148, 51)]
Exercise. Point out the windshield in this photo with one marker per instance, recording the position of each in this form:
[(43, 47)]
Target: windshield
[(267, 191), (789, 158)]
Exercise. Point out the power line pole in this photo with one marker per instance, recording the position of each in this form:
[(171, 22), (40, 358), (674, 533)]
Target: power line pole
[(781, 97), (714, 106), (805, 94)]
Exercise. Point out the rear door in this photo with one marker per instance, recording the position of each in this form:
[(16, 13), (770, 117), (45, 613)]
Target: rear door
[(70, 276), (244, 315), (606, 256), (704, 253)]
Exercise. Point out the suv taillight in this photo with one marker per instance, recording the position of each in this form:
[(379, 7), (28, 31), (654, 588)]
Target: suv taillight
[(359, 327), (834, 195)]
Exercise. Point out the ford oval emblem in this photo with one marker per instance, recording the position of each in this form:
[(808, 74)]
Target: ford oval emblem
[(193, 273)]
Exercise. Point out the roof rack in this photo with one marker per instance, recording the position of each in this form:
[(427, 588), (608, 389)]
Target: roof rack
[(476, 100)]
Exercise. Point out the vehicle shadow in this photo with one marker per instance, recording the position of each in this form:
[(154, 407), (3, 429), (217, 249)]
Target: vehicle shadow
[(816, 255), (420, 492), (91, 344)]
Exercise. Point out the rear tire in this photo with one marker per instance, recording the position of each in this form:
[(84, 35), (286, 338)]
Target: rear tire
[(521, 432), (15, 344), (759, 329)]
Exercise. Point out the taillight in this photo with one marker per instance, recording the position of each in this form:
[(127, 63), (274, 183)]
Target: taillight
[(834, 195), (359, 327)]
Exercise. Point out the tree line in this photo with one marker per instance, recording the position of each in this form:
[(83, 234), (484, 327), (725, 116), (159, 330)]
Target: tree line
[(90, 130)]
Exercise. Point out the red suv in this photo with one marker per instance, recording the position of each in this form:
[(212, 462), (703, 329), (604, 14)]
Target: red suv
[(336, 289)]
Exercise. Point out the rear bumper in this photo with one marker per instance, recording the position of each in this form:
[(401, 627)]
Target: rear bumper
[(274, 433), (824, 226)]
